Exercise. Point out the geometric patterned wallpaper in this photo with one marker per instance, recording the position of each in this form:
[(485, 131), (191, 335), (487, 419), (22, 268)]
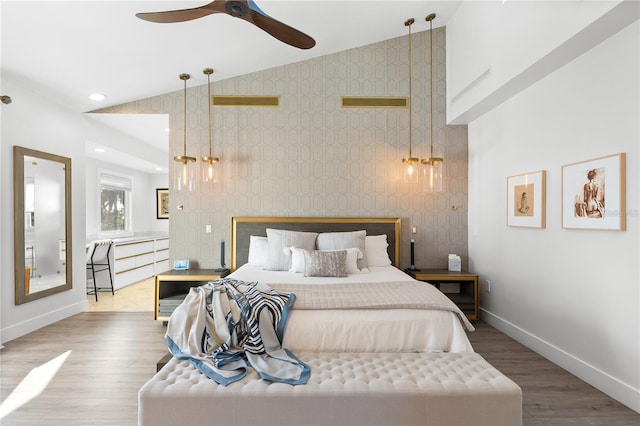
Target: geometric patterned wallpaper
[(310, 157)]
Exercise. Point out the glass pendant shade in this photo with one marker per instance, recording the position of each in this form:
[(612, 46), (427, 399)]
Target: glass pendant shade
[(411, 163), (433, 165), (185, 175), (209, 171), (209, 163), (411, 169), (433, 173)]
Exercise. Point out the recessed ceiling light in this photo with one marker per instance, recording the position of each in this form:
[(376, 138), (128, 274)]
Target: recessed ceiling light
[(167, 130), (99, 150), (97, 97)]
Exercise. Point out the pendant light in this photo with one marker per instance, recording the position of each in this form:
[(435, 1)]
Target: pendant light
[(185, 173), (433, 169), (209, 171), (411, 163)]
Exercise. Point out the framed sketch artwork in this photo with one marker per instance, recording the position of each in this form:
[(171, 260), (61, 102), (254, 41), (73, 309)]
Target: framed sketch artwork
[(593, 194), (162, 203), (526, 202)]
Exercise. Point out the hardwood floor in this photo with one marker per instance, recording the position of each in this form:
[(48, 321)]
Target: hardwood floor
[(551, 395), (137, 297), (112, 354)]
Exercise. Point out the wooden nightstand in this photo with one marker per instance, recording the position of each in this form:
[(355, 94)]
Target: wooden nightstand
[(173, 286), (460, 287)]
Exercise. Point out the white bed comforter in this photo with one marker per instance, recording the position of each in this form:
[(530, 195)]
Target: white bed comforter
[(398, 328)]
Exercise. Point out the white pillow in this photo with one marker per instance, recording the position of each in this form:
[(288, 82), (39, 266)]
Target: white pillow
[(258, 251), (376, 250), (344, 240), (297, 259), (278, 239), (298, 265)]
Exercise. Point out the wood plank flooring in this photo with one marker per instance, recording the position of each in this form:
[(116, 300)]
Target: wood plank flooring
[(112, 354), (551, 395), (137, 297)]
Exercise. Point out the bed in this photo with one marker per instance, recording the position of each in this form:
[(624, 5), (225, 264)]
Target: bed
[(382, 348)]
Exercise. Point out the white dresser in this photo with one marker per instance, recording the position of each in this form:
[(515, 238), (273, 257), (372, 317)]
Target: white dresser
[(136, 259)]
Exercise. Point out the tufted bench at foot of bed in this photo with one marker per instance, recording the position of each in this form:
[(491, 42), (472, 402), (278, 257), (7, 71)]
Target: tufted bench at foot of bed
[(344, 389)]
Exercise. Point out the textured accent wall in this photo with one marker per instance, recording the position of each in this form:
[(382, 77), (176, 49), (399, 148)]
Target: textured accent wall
[(309, 157)]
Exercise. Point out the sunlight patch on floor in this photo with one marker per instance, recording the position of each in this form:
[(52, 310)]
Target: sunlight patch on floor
[(32, 385)]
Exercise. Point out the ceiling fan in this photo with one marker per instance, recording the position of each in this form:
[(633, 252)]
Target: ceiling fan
[(243, 9)]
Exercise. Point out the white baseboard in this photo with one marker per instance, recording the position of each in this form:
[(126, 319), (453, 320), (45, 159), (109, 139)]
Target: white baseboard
[(32, 324), (597, 378)]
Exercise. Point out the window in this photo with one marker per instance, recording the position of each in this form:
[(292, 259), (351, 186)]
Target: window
[(115, 204)]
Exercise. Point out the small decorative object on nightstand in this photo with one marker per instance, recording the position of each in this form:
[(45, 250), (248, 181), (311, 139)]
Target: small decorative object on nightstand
[(461, 287), (173, 286), (180, 265), (413, 257), (455, 263), (222, 267)]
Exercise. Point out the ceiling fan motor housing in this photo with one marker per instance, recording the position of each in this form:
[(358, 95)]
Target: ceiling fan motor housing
[(236, 8)]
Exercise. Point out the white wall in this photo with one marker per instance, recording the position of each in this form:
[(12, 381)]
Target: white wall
[(496, 49), (36, 122), (571, 295)]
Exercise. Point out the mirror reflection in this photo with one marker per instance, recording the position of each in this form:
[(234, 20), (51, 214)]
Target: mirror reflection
[(42, 215)]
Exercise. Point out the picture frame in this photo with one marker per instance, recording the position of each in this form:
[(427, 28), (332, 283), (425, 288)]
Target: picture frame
[(594, 194), (526, 200), (162, 203)]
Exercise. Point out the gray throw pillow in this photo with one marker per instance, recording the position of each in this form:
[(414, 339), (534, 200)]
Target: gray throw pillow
[(278, 239), (325, 263), (344, 240)]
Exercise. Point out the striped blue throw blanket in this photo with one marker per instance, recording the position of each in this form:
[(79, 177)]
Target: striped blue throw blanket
[(225, 326)]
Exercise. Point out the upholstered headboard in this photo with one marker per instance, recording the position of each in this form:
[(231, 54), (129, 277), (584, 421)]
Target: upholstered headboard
[(243, 227)]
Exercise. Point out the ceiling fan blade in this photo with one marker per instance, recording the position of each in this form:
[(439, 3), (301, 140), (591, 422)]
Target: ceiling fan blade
[(169, 16), (247, 10), (277, 29)]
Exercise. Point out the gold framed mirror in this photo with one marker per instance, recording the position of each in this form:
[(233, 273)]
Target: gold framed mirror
[(41, 224)]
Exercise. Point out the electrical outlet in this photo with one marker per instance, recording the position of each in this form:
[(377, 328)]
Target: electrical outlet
[(207, 229), (488, 285)]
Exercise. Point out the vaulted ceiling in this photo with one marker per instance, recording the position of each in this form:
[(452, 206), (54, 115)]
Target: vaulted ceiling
[(68, 50)]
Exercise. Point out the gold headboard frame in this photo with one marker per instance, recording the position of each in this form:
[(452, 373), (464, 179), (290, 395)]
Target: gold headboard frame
[(243, 227)]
